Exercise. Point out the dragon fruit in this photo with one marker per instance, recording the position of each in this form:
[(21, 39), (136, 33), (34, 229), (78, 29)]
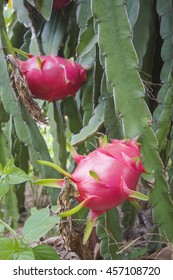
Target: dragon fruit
[(51, 77), (58, 4), (103, 179)]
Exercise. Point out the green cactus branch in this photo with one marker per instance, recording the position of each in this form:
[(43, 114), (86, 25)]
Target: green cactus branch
[(121, 65), (163, 113), (126, 47)]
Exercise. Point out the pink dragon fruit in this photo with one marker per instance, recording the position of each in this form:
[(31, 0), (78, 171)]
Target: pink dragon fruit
[(104, 178), (51, 77), (59, 4)]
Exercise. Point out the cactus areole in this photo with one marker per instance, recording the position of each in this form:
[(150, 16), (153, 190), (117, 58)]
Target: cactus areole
[(51, 77), (105, 178)]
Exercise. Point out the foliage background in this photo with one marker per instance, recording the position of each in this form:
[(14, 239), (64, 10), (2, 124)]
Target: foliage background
[(129, 46)]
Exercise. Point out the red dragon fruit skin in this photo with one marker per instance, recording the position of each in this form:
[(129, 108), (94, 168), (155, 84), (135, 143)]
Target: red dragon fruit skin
[(59, 4), (51, 77), (104, 178), (117, 166)]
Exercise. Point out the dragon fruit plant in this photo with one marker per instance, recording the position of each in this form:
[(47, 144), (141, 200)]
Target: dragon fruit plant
[(103, 179), (59, 4), (51, 77)]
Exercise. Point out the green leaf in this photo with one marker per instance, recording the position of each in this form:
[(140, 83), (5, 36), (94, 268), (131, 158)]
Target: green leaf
[(39, 224), (13, 249), (45, 252), (8, 167), (12, 211), (14, 175), (4, 188)]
